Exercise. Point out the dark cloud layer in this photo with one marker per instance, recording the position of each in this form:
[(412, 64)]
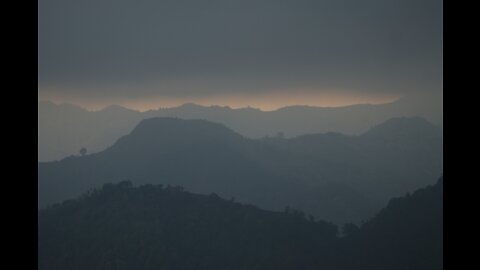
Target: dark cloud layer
[(193, 47)]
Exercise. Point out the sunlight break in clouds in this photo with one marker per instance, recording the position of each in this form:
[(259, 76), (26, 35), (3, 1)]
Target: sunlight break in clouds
[(263, 101)]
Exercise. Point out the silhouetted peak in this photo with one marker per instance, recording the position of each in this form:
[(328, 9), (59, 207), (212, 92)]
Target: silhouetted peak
[(167, 129), (190, 105), (403, 126), (116, 109), (296, 107), (174, 122), (303, 108), (46, 105)]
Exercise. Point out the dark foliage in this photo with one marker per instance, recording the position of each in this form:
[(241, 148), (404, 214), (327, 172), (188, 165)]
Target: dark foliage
[(407, 234), (153, 227), (150, 227)]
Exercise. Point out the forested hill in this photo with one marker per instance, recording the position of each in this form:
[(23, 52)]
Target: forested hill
[(150, 227), (407, 234), (153, 227), (335, 177)]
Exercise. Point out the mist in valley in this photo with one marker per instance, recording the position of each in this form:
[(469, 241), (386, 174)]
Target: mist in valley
[(240, 134)]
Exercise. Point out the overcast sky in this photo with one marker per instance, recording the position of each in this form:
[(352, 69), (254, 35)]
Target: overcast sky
[(230, 50)]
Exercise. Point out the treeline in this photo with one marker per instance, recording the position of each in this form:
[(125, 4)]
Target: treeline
[(155, 227)]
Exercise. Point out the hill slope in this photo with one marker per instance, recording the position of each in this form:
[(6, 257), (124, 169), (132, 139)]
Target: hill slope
[(152, 227), (335, 177), (407, 234), (64, 129)]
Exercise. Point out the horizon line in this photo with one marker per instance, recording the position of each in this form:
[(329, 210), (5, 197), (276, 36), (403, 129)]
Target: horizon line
[(213, 106)]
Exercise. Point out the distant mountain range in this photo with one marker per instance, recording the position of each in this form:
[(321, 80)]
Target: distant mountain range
[(120, 226), (335, 177), (64, 129)]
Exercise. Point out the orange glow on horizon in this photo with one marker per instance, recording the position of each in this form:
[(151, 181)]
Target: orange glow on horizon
[(262, 101)]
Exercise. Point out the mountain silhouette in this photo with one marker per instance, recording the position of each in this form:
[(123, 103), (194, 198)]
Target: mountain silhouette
[(335, 177), (156, 227), (64, 129), (407, 234)]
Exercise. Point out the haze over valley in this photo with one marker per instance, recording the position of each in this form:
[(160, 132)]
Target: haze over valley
[(240, 135), (63, 129), (340, 178)]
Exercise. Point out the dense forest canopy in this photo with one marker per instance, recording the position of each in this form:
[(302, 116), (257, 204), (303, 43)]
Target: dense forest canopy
[(153, 227)]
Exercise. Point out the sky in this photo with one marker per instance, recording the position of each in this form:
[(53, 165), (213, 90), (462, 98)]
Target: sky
[(262, 53)]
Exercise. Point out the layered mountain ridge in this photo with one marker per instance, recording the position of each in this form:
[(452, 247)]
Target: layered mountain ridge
[(335, 177)]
